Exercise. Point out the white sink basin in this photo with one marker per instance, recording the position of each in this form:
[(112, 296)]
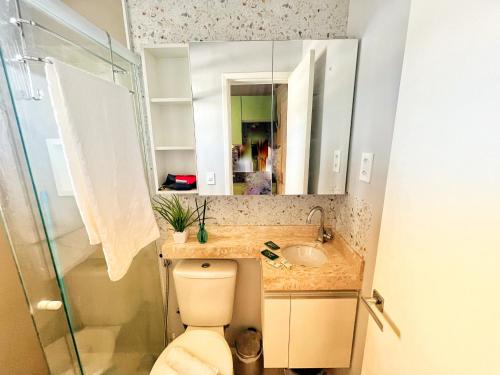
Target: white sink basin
[(304, 255)]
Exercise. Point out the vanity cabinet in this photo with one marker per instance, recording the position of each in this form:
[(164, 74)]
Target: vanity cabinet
[(276, 331), (308, 330)]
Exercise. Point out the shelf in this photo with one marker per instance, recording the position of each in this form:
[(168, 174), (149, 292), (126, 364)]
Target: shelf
[(170, 100), (179, 192), (174, 148), (169, 104)]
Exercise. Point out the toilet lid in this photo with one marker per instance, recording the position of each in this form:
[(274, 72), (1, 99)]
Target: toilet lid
[(208, 346)]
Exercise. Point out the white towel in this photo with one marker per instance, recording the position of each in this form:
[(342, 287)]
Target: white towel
[(163, 369), (97, 128), (186, 364)]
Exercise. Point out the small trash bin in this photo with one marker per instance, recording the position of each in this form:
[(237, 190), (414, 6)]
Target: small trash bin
[(249, 353)]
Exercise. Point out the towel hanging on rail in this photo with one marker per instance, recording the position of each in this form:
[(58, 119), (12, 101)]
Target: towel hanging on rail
[(96, 124)]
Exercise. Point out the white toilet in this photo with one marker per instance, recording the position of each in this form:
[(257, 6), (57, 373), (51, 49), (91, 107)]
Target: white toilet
[(205, 293)]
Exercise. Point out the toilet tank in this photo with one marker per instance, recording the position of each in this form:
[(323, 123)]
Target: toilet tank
[(205, 291)]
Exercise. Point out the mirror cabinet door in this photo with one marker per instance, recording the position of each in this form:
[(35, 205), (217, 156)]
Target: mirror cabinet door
[(232, 104), (272, 117), (313, 114)]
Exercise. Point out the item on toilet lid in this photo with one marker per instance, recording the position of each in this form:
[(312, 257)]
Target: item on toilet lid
[(180, 182), (186, 364), (164, 369)]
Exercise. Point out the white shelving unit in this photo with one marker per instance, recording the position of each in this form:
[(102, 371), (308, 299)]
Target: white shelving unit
[(169, 105)]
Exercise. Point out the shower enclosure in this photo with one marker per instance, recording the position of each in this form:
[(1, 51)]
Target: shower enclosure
[(86, 324)]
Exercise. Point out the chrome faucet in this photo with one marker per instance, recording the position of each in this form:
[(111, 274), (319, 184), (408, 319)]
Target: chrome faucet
[(323, 234)]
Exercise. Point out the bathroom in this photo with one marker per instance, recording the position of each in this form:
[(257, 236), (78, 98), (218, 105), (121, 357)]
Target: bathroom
[(383, 205)]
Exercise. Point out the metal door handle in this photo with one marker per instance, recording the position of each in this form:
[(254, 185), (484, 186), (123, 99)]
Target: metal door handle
[(49, 305)]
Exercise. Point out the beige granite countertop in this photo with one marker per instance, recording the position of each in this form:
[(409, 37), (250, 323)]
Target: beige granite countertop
[(342, 271)]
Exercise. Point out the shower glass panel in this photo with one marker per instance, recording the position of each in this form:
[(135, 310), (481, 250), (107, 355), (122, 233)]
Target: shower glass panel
[(102, 327)]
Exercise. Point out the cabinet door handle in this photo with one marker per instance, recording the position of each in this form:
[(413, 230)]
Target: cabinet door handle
[(378, 301)]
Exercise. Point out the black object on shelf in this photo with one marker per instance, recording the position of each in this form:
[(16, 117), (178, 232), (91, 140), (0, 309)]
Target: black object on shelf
[(179, 182)]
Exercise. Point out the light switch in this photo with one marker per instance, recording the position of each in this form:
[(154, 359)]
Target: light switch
[(336, 161), (365, 171), (210, 178)]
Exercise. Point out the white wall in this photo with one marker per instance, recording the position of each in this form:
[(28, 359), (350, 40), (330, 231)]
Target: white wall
[(438, 263), (381, 25)]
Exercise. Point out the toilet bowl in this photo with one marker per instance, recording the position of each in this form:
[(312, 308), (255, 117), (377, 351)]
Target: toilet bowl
[(205, 293), (204, 343)]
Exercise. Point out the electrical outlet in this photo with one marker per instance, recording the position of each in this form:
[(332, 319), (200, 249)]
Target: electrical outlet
[(336, 161), (210, 178), (365, 171)]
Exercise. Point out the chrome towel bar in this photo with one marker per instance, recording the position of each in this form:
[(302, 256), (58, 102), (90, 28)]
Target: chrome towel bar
[(37, 94), (20, 22), (378, 301)]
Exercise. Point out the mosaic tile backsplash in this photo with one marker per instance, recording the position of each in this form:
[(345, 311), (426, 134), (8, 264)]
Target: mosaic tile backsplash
[(179, 21), (353, 220), (350, 216), (264, 210)]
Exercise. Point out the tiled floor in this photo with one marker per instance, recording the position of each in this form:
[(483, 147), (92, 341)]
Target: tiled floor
[(283, 371), (278, 371)]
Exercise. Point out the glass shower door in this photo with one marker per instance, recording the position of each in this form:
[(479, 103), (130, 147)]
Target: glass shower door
[(101, 327)]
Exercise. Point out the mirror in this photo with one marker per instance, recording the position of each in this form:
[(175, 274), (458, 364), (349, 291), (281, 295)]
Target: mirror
[(272, 117)]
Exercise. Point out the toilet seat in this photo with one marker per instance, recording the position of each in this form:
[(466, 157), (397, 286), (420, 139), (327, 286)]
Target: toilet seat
[(207, 345)]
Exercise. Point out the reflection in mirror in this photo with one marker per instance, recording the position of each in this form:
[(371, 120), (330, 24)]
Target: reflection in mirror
[(217, 68), (272, 117), (313, 114), (252, 139)]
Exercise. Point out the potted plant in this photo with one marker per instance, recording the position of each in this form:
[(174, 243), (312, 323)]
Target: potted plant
[(176, 215)]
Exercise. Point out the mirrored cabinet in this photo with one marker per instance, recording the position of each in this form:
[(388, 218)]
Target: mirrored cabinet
[(251, 117)]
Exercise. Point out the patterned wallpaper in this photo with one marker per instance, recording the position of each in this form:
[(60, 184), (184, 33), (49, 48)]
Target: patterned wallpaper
[(177, 21)]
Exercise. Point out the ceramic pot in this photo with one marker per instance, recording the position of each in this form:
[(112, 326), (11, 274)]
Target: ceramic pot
[(181, 237)]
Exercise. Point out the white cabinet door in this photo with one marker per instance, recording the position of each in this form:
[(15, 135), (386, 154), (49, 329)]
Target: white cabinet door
[(275, 331), (321, 332)]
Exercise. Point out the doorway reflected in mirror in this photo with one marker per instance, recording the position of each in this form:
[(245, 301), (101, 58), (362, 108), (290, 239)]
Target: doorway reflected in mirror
[(252, 134)]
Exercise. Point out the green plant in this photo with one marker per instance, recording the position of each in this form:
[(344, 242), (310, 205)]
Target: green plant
[(174, 213)]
